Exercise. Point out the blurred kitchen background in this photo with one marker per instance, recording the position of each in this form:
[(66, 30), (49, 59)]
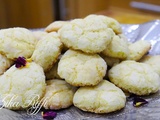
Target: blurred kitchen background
[(40, 13)]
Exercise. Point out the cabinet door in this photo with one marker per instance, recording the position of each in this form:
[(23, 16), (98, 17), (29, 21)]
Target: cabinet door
[(81, 8), (26, 13)]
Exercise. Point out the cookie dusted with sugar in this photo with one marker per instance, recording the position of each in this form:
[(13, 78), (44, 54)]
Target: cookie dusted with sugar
[(5, 63), (47, 51), (134, 77), (17, 42), (80, 69), (152, 60), (90, 35), (102, 98), (58, 95), (24, 86), (55, 26), (110, 22), (117, 48), (138, 49)]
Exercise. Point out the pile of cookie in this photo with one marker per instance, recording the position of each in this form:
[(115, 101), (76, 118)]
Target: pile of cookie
[(86, 62)]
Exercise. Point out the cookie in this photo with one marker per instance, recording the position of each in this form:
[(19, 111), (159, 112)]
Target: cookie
[(110, 22), (58, 95), (138, 49), (102, 98), (17, 42), (47, 51), (134, 77), (117, 48), (23, 86), (152, 60), (55, 26), (80, 69), (89, 36)]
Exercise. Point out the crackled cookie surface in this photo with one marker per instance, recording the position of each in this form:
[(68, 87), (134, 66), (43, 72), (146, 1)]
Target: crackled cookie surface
[(138, 49), (110, 22), (58, 95), (55, 26), (90, 35), (117, 48), (152, 60), (135, 77), (102, 98), (79, 69), (47, 51), (17, 42), (23, 86)]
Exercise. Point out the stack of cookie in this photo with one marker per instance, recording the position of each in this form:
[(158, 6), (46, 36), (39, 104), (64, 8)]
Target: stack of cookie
[(85, 62)]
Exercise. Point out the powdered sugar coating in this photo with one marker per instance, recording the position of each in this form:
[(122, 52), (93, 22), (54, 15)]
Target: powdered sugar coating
[(135, 77), (80, 69), (102, 98)]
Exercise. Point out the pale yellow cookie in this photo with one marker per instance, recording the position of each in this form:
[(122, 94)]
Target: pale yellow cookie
[(55, 26), (118, 47), (5, 63), (15, 42), (80, 69), (59, 94), (47, 51), (24, 86), (110, 22), (89, 36), (102, 98), (153, 60), (135, 77), (138, 49)]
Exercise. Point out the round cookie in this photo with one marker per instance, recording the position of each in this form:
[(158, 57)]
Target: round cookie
[(17, 42), (118, 47), (152, 60), (47, 51), (55, 26), (138, 49), (102, 98), (22, 87), (80, 69), (89, 36), (5, 63), (59, 94), (134, 77), (110, 22)]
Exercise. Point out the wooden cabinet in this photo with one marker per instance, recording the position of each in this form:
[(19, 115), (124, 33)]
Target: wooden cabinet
[(40, 13), (26, 13), (81, 8)]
